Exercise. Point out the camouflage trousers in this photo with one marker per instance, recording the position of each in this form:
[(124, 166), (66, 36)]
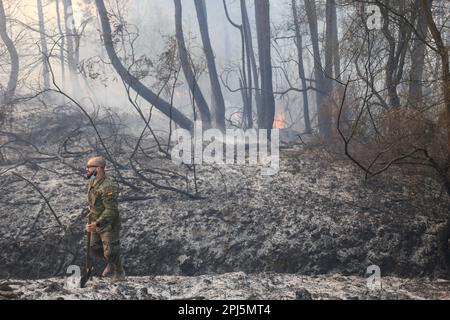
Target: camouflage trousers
[(106, 244)]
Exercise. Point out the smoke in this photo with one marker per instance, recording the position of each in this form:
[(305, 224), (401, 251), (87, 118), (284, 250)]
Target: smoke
[(153, 21)]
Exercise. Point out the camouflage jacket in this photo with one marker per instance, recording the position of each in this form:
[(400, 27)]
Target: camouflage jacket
[(103, 204)]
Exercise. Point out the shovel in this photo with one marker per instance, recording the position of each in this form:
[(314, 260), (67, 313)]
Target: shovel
[(89, 268)]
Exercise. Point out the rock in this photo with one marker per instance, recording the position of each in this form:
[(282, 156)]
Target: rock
[(5, 287), (303, 294), (188, 267), (53, 287), (143, 294), (9, 294)]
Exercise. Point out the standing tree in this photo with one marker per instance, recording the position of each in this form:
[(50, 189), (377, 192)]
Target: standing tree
[(62, 43), (8, 95), (417, 59), (252, 69), (332, 58), (262, 13), (189, 74), (249, 81), (72, 40), (44, 49), (146, 93), (321, 87), (301, 68), (219, 103), (397, 49)]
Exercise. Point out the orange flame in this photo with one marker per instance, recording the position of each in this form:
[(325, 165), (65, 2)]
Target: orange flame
[(280, 121)]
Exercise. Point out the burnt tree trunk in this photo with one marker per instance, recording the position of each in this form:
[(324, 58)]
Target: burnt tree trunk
[(247, 48), (262, 13), (323, 112), (44, 49), (301, 68), (8, 96), (417, 59), (335, 41), (398, 46), (147, 94), (187, 69), (248, 69), (251, 60), (219, 103), (71, 35), (62, 44)]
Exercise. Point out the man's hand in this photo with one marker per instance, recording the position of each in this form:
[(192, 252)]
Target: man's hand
[(91, 227)]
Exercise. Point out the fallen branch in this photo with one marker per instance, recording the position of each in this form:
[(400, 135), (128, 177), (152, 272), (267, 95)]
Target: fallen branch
[(156, 185), (43, 197)]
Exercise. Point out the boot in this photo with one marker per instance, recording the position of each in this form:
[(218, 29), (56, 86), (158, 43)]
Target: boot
[(108, 270), (119, 273)]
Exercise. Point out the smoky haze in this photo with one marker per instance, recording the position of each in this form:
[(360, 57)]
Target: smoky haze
[(154, 22), (292, 149)]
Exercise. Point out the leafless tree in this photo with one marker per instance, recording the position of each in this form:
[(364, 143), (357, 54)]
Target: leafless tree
[(187, 67), (262, 13), (8, 95), (62, 40), (301, 67), (44, 49), (219, 103), (321, 82), (134, 83)]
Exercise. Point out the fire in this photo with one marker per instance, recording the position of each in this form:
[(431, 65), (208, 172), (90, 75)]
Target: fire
[(280, 121)]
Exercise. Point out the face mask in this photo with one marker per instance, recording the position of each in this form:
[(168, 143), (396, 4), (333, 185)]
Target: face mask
[(92, 176)]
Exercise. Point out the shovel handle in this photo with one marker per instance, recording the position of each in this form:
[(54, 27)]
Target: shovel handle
[(88, 245)]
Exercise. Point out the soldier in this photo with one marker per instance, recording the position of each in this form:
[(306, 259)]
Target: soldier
[(105, 221)]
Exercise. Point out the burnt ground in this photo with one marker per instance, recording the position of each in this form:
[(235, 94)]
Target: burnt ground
[(236, 285), (314, 217), (317, 217)]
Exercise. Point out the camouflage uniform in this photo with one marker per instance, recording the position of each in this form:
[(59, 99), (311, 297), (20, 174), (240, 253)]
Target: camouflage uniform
[(103, 205)]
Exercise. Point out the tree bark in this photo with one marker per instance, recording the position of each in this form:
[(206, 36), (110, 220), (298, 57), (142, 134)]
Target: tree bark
[(328, 41), (8, 95), (417, 60), (262, 13), (71, 35), (397, 53), (247, 48), (44, 49), (251, 60), (301, 68), (68, 19), (249, 70), (187, 69), (244, 84), (219, 104), (335, 41), (323, 113), (147, 94), (62, 44)]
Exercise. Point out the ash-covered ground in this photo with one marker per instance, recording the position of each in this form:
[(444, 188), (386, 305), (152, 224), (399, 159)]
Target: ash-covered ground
[(316, 225), (236, 285)]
